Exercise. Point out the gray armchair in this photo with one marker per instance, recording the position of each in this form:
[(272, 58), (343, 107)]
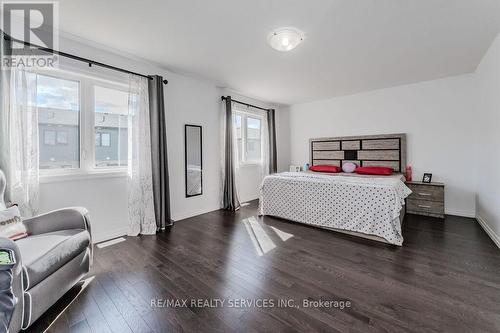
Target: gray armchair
[(50, 261)]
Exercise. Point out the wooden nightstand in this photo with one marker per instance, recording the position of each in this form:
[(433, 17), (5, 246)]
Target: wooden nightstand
[(426, 199)]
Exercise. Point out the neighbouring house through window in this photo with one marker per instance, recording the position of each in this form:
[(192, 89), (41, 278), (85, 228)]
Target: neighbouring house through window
[(248, 131), (111, 122), (71, 109), (58, 103)]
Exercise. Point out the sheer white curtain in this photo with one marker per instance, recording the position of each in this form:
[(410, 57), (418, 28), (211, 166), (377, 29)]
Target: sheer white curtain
[(19, 138), (264, 143), (140, 180)]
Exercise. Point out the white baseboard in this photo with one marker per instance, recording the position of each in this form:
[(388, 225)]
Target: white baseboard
[(494, 237), (111, 242), (463, 213), (250, 199), (101, 237), (183, 216)]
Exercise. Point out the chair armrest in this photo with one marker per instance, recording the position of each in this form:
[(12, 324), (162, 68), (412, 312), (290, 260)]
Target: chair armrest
[(61, 219), (9, 244)]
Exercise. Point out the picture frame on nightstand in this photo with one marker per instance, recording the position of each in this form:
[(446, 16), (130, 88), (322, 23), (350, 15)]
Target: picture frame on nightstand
[(427, 178)]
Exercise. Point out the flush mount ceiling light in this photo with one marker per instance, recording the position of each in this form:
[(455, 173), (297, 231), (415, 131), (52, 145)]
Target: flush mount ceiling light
[(285, 39)]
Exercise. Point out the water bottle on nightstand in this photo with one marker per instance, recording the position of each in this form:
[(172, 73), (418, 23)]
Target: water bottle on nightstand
[(408, 173)]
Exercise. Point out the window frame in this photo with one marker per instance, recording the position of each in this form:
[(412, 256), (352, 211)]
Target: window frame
[(87, 168), (244, 128)]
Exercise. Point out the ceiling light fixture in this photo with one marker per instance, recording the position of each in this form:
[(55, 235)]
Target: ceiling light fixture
[(285, 39)]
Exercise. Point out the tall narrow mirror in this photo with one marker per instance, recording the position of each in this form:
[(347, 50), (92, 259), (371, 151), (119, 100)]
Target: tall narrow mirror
[(193, 160)]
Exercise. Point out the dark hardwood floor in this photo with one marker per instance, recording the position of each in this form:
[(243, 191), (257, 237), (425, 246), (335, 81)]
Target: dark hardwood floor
[(446, 277)]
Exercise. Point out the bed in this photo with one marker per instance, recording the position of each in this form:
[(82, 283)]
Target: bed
[(367, 206)]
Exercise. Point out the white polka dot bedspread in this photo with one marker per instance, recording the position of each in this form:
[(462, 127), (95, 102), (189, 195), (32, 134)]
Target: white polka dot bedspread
[(368, 205)]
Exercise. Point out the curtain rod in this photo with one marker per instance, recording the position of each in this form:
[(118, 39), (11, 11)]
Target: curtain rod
[(74, 57), (243, 103)]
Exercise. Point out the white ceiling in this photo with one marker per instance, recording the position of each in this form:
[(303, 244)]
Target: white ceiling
[(351, 45)]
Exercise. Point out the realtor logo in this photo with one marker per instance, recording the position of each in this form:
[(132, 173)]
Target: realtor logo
[(35, 24)]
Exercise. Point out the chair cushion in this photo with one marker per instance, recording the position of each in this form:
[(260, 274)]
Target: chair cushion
[(44, 254)]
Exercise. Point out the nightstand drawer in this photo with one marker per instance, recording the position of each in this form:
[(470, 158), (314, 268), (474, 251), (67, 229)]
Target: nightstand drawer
[(426, 192), (433, 208)]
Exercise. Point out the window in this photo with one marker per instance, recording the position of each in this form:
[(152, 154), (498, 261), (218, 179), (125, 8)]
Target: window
[(253, 140), (111, 121), (53, 137), (58, 103), (103, 139), (62, 137), (82, 122), (49, 138), (248, 132)]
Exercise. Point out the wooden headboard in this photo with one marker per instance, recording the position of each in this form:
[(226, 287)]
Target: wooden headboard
[(387, 150)]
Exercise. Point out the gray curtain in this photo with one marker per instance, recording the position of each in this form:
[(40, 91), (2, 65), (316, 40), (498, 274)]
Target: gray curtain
[(230, 196), (273, 158), (159, 161)]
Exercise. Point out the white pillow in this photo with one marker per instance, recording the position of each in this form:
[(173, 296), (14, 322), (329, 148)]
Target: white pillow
[(11, 224), (349, 167)]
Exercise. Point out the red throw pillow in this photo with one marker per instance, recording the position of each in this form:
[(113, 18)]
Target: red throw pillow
[(379, 171), (326, 168)]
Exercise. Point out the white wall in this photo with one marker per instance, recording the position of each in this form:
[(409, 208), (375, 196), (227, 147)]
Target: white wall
[(487, 116), (437, 116), (105, 198), (191, 101)]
